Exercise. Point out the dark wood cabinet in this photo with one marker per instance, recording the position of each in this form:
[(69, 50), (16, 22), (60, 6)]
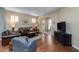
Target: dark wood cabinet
[(63, 38)]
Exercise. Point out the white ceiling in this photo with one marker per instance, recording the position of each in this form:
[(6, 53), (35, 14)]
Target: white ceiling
[(35, 11)]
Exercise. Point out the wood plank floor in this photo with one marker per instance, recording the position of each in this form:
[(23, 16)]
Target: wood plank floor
[(46, 44), (49, 44)]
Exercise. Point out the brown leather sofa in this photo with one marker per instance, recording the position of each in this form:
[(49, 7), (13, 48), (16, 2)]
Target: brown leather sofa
[(29, 31)]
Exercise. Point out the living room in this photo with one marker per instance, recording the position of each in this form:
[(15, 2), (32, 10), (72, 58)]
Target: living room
[(42, 22)]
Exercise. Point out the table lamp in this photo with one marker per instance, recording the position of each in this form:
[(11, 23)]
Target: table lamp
[(14, 20), (13, 27)]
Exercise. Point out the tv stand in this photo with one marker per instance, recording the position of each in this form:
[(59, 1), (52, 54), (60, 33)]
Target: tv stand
[(63, 38)]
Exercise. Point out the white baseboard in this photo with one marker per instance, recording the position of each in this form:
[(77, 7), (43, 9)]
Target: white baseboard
[(75, 47)]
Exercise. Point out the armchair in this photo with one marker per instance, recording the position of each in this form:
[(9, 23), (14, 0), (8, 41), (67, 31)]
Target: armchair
[(22, 44)]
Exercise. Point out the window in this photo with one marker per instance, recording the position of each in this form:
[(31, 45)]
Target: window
[(49, 24), (14, 18), (33, 20), (43, 24)]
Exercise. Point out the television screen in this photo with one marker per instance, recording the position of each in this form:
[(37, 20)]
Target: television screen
[(61, 26)]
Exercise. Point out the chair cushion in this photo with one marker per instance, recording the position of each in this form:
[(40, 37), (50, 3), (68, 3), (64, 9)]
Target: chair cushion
[(19, 44), (21, 38)]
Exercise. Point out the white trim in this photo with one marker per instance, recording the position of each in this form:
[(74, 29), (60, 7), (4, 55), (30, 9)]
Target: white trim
[(75, 47)]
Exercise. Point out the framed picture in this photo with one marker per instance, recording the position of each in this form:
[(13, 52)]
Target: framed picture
[(24, 22)]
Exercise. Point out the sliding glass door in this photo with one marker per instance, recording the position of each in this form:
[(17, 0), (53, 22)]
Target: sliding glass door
[(47, 25)]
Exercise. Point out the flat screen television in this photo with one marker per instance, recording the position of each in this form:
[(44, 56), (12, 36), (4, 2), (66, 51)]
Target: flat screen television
[(61, 26)]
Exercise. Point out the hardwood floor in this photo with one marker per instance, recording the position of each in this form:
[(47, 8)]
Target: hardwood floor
[(46, 44), (4, 49), (49, 44)]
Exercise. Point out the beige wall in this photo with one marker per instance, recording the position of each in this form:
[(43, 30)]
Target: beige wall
[(22, 17), (71, 17)]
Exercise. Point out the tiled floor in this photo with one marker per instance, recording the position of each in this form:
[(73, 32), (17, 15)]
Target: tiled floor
[(46, 44)]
